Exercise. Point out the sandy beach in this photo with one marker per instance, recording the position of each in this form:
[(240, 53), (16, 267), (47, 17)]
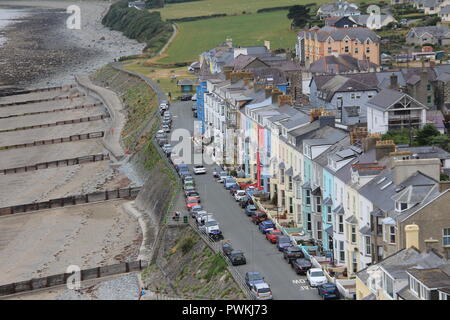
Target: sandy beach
[(41, 51)]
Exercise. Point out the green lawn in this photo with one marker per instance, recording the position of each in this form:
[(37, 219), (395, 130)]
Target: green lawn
[(208, 7), (194, 37)]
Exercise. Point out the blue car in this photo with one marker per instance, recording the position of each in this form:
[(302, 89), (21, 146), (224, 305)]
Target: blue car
[(328, 291), (184, 172), (283, 242), (266, 226), (229, 182), (250, 209), (181, 166)]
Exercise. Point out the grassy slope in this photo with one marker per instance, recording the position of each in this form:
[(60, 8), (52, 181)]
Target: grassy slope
[(208, 7), (197, 36)]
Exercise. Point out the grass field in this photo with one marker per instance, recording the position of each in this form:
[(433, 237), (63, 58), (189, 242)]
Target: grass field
[(194, 37), (208, 7)]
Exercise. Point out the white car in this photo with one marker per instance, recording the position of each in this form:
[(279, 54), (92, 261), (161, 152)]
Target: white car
[(239, 195), (222, 176), (261, 291), (201, 218), (209, 226), (199, 169), (316, 277)]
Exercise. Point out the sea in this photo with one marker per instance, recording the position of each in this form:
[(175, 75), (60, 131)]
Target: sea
[(8, 16)]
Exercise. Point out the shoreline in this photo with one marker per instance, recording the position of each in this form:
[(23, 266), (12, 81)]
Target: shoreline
[(41, 52)]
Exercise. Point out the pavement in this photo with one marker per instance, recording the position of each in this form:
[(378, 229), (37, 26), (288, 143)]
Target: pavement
[(261, 255)]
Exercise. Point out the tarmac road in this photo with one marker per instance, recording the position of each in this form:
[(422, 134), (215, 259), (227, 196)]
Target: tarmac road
[(261, 255)]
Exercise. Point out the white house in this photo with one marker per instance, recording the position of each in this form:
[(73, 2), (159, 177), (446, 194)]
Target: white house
[(391, 109)]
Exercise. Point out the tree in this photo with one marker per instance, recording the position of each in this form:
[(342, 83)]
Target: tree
[(299, 15), (151, 4), (426, 134)]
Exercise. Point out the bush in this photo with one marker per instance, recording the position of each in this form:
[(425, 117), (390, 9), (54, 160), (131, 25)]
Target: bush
[(217, 266), (187, 245)]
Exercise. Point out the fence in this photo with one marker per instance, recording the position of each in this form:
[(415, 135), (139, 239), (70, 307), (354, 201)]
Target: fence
[(82, 106), (15, 93), (57, 163), (78, 95), (75, 137), (125, 193), (61, 279), (215, 246), (60, 123)]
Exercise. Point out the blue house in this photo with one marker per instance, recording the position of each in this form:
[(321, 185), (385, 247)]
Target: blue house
[(200, 91), (186, 85)]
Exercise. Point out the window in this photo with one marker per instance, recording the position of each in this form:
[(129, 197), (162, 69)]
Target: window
[(391, 234), (388, 285), (353, 96), (368, 50), (428, 99), (414, 285), (346, 49), (329, 216), (401, 206), (329, 49), (356, 50), (446, 236), (340, 223), (341, 251), (282, 175), (308, 222), (318, 205), (319, 230), (290, 183), (291, 206), (353, 233), (443, 296), (429, 87), (308, 197), (368, 246)]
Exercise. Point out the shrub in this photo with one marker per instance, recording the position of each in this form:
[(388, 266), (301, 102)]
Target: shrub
[(187, 245)]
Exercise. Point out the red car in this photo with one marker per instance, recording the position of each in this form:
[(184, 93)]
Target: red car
[(273, 235), (258, 217), (191, 201)]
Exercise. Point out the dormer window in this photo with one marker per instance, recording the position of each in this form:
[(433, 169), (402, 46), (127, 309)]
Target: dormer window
[(401, 206)]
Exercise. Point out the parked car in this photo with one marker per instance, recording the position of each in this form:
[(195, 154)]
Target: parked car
[(328, 291), (250, 209), (188, 189), (229, 182), (292, 253), (243, 203), (239, 194), (186, 97), (252, 278), (188, 185), (184, 172), (202, 217), (197, 210), (188, 179), (301, 265), (168, 151), (316, 277), (273, 235), (199, 169), (227, 248), (258, 217), (222, 176), (261, 291), (163, 141), (195, 114), (167, 123), (194, 107), (194, 194), (237, 257), (215, 173), (233, 189), (181, 166), (191, 201), (266, 226), (166, 145), (165, 128), (210, 225), (283, 242)]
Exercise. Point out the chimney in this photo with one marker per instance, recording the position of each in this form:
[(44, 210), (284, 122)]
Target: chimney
[(328, 120), (412, 236), (431, 244), (275, 94), (285, 99), (447, 251), (394, 81), (267, 44), (403, 169), (229, 42), (370, 141), (383, 148)]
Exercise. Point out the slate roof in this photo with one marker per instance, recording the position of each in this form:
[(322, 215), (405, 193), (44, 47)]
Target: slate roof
[(426, 152), (445, 10), (338, 34), (340, 64), (382, 192), (433, 278), (436, 31), (386, 98), (185, 82), (397, 263)]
